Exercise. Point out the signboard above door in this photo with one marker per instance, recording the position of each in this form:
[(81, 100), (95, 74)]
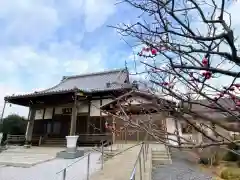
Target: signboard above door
[(66, 110)]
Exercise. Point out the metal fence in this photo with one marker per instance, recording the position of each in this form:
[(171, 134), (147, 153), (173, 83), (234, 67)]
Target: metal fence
[(88, 156), (140, 164)]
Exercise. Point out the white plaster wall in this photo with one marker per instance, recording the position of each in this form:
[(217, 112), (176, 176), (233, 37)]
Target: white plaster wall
[(83, 107), (171, 128), (105, 101), (137, 100), (196, 137), (95, 105), (48, 113), (39, 114), (58, 110)]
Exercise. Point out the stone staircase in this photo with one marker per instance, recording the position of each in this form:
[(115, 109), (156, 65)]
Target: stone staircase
[(54, 142), (109, 152), (160, 155)]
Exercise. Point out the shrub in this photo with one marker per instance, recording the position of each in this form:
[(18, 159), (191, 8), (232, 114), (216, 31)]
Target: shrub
[(216, 159), (204, 160), (230, 156), (231, 174), (238, 163)]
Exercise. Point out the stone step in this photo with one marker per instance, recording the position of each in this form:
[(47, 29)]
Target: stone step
[(160, 162), (160, 157), (159, 153), (54, 142)]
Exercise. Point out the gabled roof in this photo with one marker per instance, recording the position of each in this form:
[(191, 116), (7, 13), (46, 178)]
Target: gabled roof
[(214, 111), (151, 99), (93, 82)]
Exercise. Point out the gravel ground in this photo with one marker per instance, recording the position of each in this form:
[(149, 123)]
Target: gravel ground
[(180, 169)]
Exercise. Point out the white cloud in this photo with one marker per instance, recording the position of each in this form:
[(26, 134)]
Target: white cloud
[(28, 21), (97, 13), (31, 56)]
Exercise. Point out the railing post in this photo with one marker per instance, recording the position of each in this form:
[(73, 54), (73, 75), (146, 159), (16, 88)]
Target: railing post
[(134, 177), (64, 174), (88, 166), (140, 167), (40, 141), (102, 151), (144, 167)]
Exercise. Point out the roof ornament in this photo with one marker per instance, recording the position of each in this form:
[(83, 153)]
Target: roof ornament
[(64, 77), (108, 84), (135, 84), (30, 102)]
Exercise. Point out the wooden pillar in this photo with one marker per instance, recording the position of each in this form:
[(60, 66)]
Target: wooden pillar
[(177, 130), (3, 111), (89, 115), (114, 132), (52, 121), (45, 128), (101, 123), (74, 117), (165, 127), (137, 131), (29, 130), (125, 135)]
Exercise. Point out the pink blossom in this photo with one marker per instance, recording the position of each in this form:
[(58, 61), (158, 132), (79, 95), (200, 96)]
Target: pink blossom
[(154, 51), (205, 61)]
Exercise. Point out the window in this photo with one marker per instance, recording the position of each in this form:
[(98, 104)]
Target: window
[(186, 128)]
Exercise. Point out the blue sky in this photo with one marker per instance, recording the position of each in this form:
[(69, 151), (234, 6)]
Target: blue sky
[(43, 40)]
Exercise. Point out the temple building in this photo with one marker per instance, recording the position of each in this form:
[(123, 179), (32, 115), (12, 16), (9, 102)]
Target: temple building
[(72, 107)]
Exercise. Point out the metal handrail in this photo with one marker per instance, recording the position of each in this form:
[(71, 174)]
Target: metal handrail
[(143, 151), (74, 162), (64, 170)]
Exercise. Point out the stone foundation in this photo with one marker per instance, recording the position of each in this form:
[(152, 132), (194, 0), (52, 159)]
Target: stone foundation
[(70, 154)]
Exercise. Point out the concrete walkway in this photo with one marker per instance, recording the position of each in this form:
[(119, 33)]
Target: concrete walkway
[(47, 170), (21, 157), (119, 167), (180, 169)]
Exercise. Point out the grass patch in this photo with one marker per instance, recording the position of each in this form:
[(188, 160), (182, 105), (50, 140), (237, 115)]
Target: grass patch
[(231, 173)]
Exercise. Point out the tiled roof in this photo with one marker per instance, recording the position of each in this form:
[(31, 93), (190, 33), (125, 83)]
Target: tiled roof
[(94, 82), (226, 103), (146, 95)]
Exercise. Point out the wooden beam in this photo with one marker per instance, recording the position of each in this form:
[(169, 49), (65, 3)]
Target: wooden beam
[(101, 130), (177, 129), (73, 117), (89, 115), (52, 121)]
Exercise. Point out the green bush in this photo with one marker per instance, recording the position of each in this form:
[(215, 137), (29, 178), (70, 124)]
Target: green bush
[(230, 156), (231, 174), (13, 124), (238, 164), (215, 160), (204, 160)]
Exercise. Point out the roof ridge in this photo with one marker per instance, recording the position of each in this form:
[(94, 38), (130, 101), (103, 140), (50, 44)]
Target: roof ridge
[(94, 73), (65, 78), (62, 81)]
